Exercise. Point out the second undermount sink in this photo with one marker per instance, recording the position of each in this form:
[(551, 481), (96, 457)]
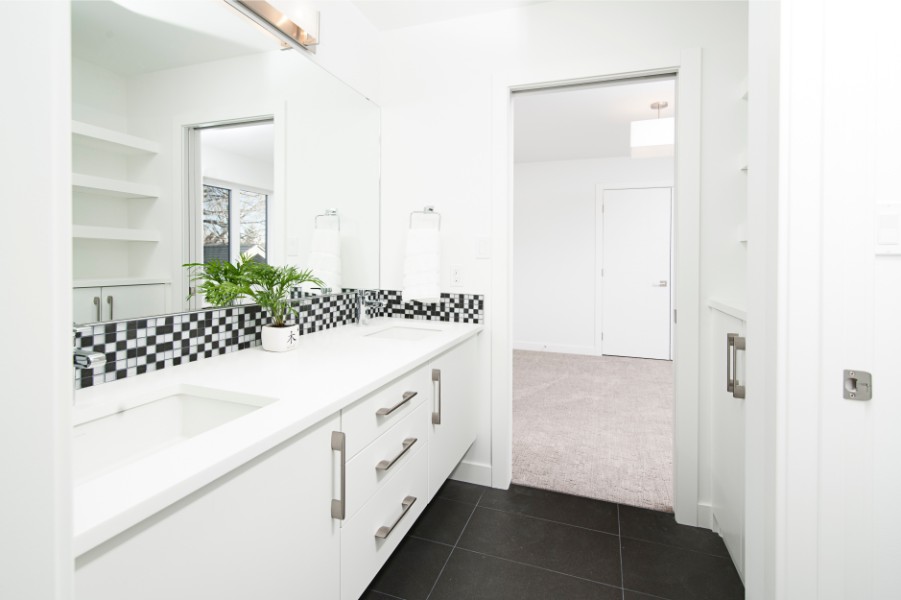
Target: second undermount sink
[(399, 332), (139, 427)]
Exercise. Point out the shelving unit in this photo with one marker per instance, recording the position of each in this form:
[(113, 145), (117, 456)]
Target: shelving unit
[(114, 188), (122, 234), (100, 138)]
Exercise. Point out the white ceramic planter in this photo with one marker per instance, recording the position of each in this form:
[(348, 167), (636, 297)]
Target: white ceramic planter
[(280, 339)]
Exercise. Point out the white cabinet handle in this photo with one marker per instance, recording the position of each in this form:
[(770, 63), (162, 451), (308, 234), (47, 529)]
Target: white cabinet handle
[(388, 463), (385, 530)]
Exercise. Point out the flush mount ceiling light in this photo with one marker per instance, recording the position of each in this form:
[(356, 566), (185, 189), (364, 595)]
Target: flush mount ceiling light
[(279, 24), (653, 137)]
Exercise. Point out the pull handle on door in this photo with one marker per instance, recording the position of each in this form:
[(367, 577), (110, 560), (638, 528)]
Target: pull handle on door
[(734, 343)]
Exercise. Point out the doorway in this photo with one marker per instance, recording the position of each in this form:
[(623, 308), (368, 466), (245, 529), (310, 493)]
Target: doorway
[(593, 390)]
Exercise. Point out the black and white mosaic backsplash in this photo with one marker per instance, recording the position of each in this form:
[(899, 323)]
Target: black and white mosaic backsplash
[(142, 345)]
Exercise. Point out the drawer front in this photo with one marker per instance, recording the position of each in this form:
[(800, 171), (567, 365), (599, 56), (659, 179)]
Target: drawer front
[(362, 422), (378, 462), (362, 553)]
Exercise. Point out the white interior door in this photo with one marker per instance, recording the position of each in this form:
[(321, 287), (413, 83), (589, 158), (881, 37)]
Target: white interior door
[(636, 275)]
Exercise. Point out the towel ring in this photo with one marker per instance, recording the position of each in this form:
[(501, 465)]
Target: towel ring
[(428, 210), (329, 212)]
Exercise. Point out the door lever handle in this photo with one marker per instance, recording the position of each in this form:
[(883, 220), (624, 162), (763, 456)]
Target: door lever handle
[(661, 283)]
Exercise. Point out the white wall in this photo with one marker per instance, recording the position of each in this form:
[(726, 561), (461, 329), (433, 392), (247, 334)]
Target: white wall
[(437, 128), (236, 168), (36, 360), (554, 241)]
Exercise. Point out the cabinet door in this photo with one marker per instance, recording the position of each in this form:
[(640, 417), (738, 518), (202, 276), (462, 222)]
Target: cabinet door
[(86, 305), (728, 433), (133, 301), (262, 531), (455, 376)]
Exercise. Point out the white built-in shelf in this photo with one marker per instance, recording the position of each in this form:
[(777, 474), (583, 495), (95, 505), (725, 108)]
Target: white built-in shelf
[(102, 186), (92, 136), (111, 281), (728, 309), (90, 232)]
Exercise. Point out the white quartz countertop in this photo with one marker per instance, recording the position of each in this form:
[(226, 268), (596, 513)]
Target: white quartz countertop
[(328, 371)]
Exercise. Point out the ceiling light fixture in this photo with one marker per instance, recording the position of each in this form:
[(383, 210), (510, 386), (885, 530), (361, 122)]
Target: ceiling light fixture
[(276, 22), (654, 137)]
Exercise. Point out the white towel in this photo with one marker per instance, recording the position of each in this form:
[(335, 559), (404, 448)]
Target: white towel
[(325, 258), (422, 266)]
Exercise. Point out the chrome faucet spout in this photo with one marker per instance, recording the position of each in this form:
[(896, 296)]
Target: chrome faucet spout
[(366, 300)]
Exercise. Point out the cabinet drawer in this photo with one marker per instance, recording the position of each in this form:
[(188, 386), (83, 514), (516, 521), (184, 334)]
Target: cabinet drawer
[(362, 553), (386, 456), (362, 422)]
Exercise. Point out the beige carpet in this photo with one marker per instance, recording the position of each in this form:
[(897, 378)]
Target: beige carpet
[(595, 426)]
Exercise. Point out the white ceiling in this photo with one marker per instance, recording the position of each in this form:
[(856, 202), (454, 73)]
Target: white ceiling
[(584, 122), (252, 141), (130, 37), (394, 14)]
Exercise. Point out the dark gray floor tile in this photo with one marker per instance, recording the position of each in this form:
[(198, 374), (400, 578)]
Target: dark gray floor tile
[(678, 574), (653, 526), (461, 492), (442, 521), (630, 595), (373, 595), (573, 510), (570, 550), (472, 576), (412, 570)]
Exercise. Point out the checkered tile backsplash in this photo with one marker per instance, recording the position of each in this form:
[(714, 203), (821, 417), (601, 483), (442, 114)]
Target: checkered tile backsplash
[(144, 345)]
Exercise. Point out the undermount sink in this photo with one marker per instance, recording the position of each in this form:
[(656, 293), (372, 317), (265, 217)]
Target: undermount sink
[(398, 332), (140, 427)]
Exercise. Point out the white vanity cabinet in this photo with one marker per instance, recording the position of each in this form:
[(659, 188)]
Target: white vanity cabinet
[(454, 421), (262, 531)]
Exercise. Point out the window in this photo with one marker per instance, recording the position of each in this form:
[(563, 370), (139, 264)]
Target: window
[(235, 222)]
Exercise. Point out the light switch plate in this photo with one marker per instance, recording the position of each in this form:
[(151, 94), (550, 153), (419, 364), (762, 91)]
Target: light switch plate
[(888, 229)]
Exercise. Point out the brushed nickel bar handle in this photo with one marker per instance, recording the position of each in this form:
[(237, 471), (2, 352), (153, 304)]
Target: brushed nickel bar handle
[(339, 444), (730, 357), (436, 416), (387, 411), (109, 300), (97, 304), (387, 464), (738, 390), (385, 530)]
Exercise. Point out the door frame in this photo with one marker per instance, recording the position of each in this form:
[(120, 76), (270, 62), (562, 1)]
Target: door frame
[(599, 258), (687, 69)]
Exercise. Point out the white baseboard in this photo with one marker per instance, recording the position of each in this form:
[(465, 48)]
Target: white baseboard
[(558, 348), (471, 472), (705, 517)]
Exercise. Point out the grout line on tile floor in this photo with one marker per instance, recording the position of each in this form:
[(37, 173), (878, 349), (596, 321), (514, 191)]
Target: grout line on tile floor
[(457, 541), (419, 537), (516, 562), (519, 514), (619, 533), (644, 594), (387, 595), (646, 541)]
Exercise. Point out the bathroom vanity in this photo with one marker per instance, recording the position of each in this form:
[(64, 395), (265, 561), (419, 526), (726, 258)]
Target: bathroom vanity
[(269, 475)]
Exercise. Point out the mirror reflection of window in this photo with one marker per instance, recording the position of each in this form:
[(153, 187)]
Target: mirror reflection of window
[(237, 166)]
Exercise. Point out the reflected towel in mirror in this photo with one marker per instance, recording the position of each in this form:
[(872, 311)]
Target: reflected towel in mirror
[(325, 257)]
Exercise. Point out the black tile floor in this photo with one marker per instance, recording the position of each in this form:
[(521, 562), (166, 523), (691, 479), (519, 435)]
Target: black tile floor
[(475, 543)]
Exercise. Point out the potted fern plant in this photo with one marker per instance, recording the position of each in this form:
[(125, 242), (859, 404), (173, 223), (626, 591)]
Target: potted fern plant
[(224, 283)]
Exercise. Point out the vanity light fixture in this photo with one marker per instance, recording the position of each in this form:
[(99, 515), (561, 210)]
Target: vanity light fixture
[(653, 137), (280, 25)]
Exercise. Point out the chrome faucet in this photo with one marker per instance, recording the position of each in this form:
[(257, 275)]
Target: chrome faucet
[(364, 301), (86, 359)]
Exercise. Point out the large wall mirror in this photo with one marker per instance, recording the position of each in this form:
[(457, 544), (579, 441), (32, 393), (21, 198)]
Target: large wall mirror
[(196, 137)]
